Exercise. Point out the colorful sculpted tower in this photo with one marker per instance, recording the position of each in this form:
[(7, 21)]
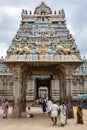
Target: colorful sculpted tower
[(43, 33)]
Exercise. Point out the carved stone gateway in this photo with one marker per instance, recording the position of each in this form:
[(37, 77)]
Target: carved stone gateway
[(43, 47)]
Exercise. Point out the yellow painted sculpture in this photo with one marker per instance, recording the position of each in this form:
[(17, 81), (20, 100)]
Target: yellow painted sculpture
[(20, 49), (63, 50), (42, 49), (26, 49)]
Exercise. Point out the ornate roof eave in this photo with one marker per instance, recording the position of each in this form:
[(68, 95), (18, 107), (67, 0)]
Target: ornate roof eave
[(81, 74), (43, 59), (6, 74)]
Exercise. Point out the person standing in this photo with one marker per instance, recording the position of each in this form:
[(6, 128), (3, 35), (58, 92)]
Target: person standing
[(62, 114), (44, 106), (79, 114), (67, 111), (54, 112), (5, 106), (49, 103)]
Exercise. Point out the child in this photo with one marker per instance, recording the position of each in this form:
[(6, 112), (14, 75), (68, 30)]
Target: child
[(29, 114)]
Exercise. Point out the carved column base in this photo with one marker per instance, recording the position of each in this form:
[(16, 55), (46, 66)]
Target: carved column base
[(71, 113), (16, 112)]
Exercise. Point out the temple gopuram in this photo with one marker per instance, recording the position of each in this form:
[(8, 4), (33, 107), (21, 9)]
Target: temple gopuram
[(42, 60)]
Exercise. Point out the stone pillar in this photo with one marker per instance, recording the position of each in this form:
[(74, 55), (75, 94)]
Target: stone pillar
[(16, 112), (55, 88), (69, 85), (23, 91), (34, 89), (85, 83), (69, 95), (62, 89), (51, 85), (31, 88)]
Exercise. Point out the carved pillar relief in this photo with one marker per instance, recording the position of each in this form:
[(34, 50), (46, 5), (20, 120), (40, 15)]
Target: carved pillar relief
[(23, 91), (85, 83), (55, 88), (34, 88), (61, 75), (62, 88), (17, 92), (69, 85), (31, 95)]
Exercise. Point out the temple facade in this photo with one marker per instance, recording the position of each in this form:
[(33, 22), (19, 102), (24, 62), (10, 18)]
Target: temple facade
[(7, 84), (42, 60)]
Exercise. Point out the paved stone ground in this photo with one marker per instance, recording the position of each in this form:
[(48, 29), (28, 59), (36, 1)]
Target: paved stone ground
[(39, 122)]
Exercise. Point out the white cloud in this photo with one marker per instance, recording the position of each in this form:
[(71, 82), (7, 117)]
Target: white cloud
[(10, 10)]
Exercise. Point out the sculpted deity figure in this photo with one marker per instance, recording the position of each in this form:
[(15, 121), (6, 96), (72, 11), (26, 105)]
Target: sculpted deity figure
[(43, 49), (10, 50), (17, 39)]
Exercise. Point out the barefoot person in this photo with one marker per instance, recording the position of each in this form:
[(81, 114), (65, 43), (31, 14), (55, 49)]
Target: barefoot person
[(54, 112)]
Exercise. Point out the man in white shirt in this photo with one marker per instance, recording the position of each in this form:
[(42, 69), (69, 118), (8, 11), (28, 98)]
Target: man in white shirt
[(54, 112)]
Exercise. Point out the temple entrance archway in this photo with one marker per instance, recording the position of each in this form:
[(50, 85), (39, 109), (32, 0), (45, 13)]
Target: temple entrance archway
[(43, 87), (59, 85)]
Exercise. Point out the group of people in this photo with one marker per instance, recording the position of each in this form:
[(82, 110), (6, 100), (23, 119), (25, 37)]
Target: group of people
[(54, 110)]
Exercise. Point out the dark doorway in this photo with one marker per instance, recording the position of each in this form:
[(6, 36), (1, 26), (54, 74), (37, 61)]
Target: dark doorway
[(43, 88)]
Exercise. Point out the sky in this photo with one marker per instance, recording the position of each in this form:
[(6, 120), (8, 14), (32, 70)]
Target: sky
[(75, 15)]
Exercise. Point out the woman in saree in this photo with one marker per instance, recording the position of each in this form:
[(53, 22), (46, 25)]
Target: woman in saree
[(5, 106), (79, 114), (63, 114)]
